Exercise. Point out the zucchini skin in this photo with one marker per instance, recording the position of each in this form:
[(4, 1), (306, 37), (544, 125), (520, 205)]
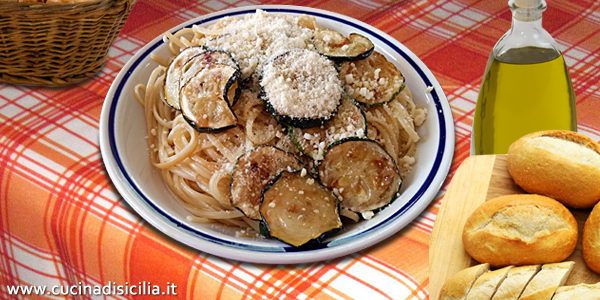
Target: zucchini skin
[(207, 129), (325, 130), (367, 106), (263, 229), (257, 175), (374, 60), (292, 121), (350, 41), (284, 119), (396, 192), (167, 99), (233, 62), (266, 230), (234, 79)]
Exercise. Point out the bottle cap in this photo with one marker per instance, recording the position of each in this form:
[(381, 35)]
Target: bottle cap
[(528, 3)]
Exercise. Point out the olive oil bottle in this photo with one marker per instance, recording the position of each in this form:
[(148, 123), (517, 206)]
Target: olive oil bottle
[(526, 86)]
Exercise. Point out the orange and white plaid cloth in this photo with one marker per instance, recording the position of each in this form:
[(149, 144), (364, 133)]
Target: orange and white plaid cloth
[(62, 223)]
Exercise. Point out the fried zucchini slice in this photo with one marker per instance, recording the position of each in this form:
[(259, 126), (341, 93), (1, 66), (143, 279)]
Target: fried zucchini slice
[(301, 88), (339, 48), (349, 121), (200, 61), (252, 173), (297, 209), (204, 100), (372, 81), (174, 72), (362, 173)]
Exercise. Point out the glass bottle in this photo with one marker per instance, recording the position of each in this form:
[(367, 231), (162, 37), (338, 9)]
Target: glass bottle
[(526, 86)]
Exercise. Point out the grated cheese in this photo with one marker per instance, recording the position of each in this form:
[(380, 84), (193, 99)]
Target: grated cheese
[(368, 215), (254, 39), (348, 122), (366, 84), (314, 91)]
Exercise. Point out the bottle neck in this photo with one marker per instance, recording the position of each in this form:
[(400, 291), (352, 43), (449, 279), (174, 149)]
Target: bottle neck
[(522, 27), (525, 34), (526, 13), (526, 28)]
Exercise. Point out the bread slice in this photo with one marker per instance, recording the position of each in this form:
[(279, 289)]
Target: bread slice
[(587, 295), (580, 291), (512, 287), (457, 287), (547, 280), (487, 284)]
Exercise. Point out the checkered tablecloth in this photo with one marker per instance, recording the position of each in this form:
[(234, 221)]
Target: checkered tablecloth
[(62, 223)]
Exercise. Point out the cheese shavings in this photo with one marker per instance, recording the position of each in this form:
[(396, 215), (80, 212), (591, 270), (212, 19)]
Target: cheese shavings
[(257, 37), (302, 84)]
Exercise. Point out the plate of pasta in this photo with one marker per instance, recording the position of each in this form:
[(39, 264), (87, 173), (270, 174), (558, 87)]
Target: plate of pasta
[(277, 134)]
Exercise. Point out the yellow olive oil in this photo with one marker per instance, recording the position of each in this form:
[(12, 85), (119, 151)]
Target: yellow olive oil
[(524, 90)]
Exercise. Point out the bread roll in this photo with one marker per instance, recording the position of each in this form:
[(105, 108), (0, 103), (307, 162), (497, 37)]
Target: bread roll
[(457, 287), (546, 281), (588, 295), (486, 285), (512, 287), (591, 240), (520, 230), (581, 292), (563, 165)]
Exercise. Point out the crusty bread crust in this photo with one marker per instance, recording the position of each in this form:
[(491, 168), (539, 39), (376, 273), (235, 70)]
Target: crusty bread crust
[(520, 230), (581, 291), (591, 240), (587, 295), (545, 282), (539, 171), (514, 284), (486, 285), (457, 287)]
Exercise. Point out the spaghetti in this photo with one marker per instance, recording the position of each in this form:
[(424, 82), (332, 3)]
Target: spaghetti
[(197, 167)]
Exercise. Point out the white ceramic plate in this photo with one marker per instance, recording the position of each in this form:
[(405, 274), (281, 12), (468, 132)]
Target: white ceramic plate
[(124, 150)]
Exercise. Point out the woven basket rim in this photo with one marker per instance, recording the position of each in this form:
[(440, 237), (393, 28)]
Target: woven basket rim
[(37, 44), (36, 7)]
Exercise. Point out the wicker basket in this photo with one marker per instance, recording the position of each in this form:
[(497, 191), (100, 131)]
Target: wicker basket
[(57, 44)]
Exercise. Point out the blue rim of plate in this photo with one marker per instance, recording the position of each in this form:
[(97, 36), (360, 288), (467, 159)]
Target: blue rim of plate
[(139, 57)]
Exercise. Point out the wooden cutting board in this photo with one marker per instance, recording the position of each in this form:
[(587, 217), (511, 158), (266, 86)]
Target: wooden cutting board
[(478, 179)]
